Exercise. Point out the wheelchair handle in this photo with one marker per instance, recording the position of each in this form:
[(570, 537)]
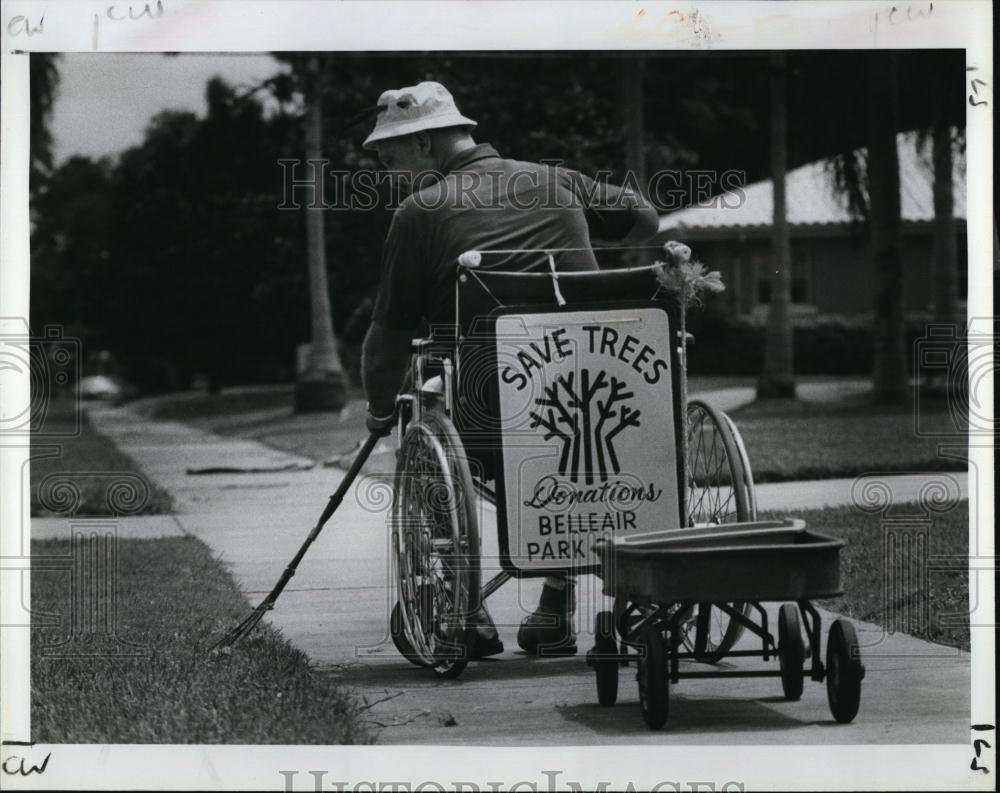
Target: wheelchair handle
[(470, 259)]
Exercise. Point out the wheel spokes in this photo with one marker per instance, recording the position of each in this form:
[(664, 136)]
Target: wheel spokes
[(713, 476), (431, 551)]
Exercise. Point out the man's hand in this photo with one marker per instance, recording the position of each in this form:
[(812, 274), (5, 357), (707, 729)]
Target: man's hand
[(381, 425)]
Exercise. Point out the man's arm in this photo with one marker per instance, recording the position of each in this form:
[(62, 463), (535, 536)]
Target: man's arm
[(646, 221), (614, 214), (385, 357), (399, 307)]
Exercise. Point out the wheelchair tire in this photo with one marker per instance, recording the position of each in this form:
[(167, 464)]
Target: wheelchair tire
[(399, 639), (436, 547), (720, 490)]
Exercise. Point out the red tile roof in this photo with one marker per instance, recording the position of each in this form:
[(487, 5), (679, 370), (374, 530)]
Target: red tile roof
[(812, 198)]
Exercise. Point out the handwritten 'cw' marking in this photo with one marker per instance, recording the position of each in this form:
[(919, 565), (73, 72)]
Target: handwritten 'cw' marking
[(115, 14)]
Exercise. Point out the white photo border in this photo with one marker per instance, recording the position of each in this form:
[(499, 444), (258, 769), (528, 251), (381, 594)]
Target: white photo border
[(426, 25)]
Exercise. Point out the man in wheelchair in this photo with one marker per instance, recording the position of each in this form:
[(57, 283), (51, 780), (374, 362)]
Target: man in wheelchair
[(465, 196)]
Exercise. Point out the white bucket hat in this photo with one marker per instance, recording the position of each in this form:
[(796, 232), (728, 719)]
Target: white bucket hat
[(427, 105)]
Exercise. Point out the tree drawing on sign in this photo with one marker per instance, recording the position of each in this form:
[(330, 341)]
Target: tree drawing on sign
[(586, 417)]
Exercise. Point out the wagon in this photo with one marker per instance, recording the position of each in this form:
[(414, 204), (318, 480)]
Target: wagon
[(659, 580)]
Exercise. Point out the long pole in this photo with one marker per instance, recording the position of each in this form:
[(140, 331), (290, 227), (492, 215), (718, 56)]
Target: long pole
[(267, 604)]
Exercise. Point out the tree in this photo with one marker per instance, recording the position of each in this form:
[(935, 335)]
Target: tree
[(632, 96), (200, 255), (43, 76), (321, 386), (777, 379), (889, 372), (353, 237), (904, 90), (70, 250), (945, 252)]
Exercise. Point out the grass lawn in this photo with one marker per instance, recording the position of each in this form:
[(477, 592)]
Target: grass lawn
[(712, 382), (791, 440), (173, 602), (937, 611), (86, 463)]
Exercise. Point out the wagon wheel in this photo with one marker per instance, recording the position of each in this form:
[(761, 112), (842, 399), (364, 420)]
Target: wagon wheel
[(605, 669), (435, 547), (844, 671), (791, 651), (720, 490), (652, 675)]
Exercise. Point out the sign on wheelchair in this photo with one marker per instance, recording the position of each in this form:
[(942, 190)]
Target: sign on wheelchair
[(578, 393), (561, 398)]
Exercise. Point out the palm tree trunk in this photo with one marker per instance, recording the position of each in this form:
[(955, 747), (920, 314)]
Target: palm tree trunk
[(777, 378), (889, 375), (945, 247), (633, 115), (321, 386)]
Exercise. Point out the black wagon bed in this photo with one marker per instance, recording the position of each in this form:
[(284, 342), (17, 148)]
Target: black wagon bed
[(753, 561)]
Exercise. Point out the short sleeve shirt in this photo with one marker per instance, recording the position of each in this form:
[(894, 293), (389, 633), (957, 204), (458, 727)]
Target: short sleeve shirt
[(485, 202)]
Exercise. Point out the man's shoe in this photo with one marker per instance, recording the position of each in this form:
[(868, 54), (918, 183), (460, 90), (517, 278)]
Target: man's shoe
[(549, 629), (486, 641)]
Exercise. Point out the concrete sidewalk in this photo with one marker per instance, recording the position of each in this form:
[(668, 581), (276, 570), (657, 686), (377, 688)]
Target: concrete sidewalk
[(336, 611)]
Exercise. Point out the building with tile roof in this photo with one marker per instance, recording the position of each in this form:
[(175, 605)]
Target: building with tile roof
[(831, 265)]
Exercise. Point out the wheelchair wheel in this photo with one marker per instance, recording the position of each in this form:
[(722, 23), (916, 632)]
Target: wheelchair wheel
[(720, 490), (398, 635), (436, 547)]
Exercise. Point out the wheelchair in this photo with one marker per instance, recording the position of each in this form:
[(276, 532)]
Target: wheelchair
[(561, 399)]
